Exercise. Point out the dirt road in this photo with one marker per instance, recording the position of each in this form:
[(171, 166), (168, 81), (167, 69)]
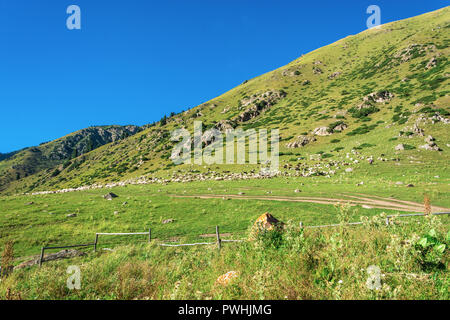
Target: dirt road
[(367, 201)]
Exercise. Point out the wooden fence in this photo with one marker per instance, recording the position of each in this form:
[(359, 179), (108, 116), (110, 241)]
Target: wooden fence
[(218, 241), (387, 221)]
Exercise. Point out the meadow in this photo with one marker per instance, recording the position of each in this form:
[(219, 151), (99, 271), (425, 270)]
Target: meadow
[(326, 263)]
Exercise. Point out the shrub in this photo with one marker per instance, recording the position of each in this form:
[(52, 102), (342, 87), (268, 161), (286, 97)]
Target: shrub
[(363, 112), (362, 130), (431, 248), (7, 259)]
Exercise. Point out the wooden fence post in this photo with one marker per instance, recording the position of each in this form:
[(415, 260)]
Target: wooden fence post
[(219, 242), (149, 234), (42, 256), (95, 243)]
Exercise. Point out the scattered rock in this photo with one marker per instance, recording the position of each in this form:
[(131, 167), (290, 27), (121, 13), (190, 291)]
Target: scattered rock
[(257, 104), (317, 70), (431, 145), (340, 127), (334, 75), (432, 63), (409, 185), (71, 215), (349, 170), (429, 139), (110, 196), (321, 131), (168, 221), (379, 97), (266, 222), (399, 147), (225, 126), (227, 278), (297, 190), (301, 142)]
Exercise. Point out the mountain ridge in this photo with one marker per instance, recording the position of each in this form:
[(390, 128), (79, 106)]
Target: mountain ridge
[(388, 84)]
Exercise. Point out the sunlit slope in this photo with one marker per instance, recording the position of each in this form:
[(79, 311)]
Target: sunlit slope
[(369, 93)]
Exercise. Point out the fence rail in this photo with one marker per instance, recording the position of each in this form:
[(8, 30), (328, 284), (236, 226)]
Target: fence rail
[(387, 221), (41, 258), (149, 233), (218, 241)]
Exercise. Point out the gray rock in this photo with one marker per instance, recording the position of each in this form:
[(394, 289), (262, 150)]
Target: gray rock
[(301, 142), (321, 131), (110, 196)]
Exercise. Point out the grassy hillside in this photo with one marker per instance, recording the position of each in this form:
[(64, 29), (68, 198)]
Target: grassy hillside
[(54, 156), (354, 118), (308, 264), (385, 86)]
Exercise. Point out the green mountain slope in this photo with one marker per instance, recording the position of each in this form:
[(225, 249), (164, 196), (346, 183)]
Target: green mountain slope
[(361, 97), (54, 156)]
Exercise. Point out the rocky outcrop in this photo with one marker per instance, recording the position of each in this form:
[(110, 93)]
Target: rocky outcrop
[(338, 126), (321, 131), (225, 126), (52, 154), (301, 142), (334, 75), (379, 97), (258, 103), (317, 70), (266, 222), (430, 144), (432, 63), (413, 50)]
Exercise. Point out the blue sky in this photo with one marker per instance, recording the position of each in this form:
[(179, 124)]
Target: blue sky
[(134, 61)]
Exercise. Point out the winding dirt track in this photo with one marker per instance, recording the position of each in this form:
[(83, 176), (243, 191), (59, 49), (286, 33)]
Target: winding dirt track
[(368, 201)]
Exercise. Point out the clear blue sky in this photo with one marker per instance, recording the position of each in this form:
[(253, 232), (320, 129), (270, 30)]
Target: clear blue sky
[(136, 60)]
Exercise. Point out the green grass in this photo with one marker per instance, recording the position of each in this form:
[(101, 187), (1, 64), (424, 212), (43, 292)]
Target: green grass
[(310, 264), (306, 266)]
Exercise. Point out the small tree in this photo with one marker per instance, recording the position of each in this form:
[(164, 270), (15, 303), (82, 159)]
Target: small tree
[(163, 121), (74, 153)]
